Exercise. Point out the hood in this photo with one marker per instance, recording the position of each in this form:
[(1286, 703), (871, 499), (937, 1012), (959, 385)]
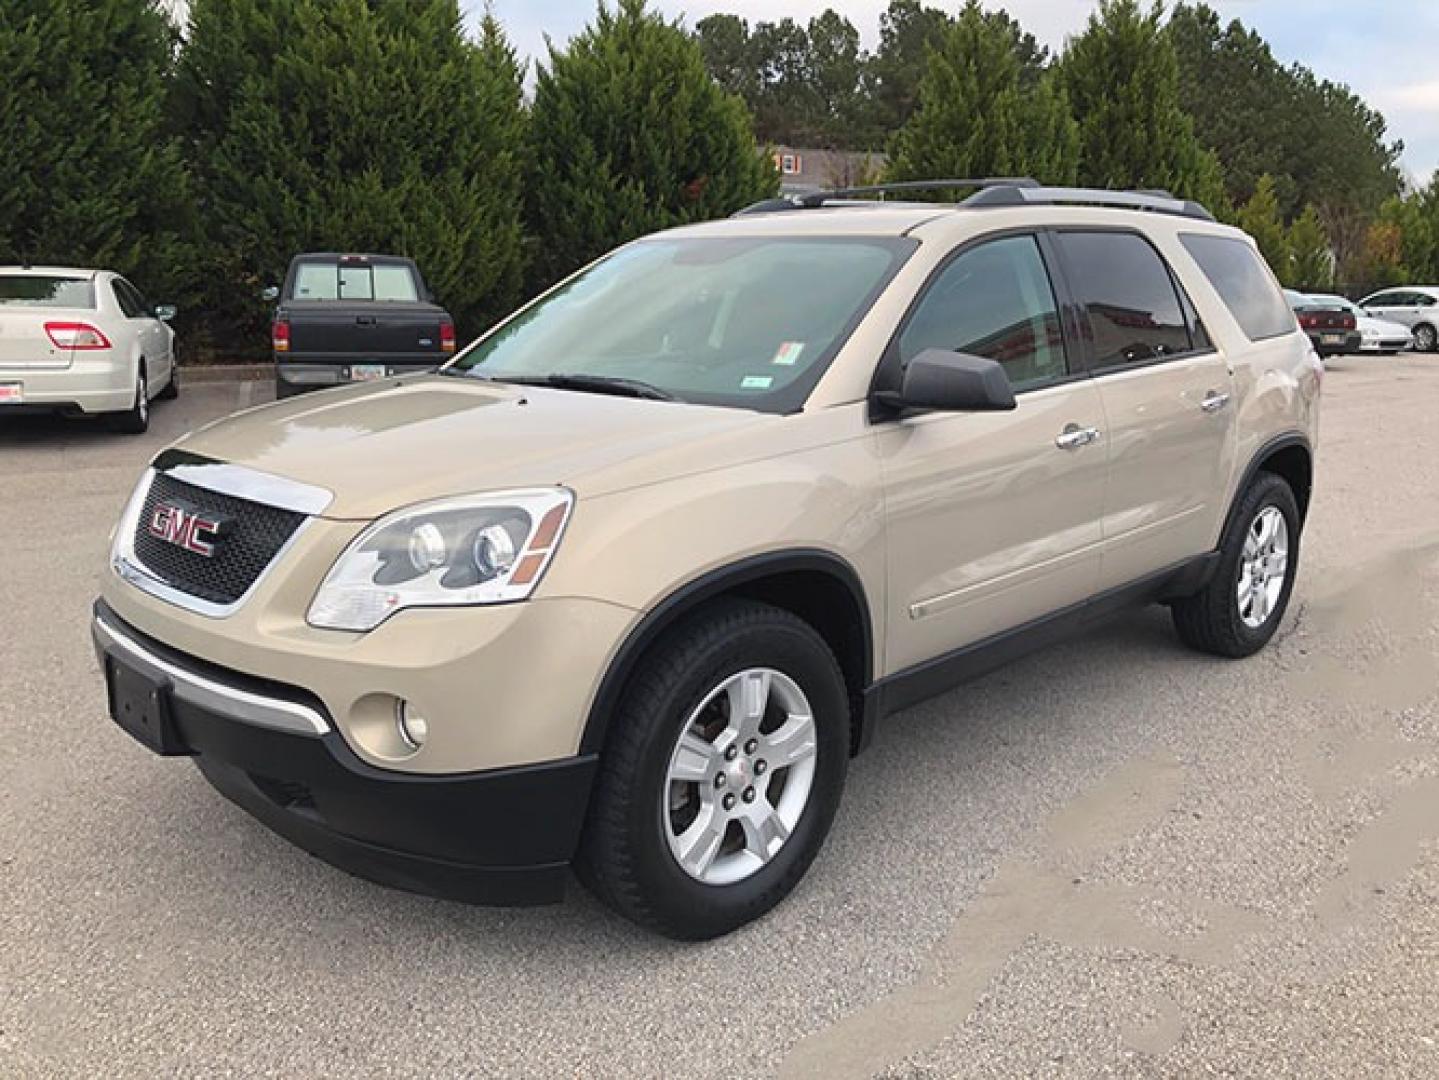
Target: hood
[(1368, 324), (381, 447)]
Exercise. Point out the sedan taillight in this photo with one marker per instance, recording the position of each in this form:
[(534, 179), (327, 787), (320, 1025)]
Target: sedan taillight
[(76, 335)]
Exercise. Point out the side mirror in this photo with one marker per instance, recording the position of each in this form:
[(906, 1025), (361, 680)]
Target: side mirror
[(270, 294), (951, 382), (166, 312)]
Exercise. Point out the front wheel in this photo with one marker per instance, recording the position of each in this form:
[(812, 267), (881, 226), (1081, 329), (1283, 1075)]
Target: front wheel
[(1237, 613), (722, 775), (1425, 338)]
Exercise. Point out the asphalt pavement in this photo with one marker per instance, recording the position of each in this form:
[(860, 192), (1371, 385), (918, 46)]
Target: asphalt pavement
[(1112, 858)]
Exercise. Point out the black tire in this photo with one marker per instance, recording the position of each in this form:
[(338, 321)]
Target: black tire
[(1210, 620), (136, 419), (172, 388), (624, 857), (1425, 338), (285, 389)]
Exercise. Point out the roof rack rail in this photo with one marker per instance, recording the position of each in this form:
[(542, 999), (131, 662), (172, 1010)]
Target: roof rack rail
[(1156, 201), (815, 199)]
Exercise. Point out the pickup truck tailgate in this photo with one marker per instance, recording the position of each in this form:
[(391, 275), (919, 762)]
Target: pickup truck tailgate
[(362, 331)]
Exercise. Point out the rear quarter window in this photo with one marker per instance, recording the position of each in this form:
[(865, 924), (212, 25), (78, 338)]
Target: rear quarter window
[(1245, 285)]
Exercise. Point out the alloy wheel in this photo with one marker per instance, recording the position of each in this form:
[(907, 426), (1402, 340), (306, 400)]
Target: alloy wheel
[(1263, 567), (739, 776)]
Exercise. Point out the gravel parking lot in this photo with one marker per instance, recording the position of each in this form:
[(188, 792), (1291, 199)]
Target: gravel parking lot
[(1115, 857)]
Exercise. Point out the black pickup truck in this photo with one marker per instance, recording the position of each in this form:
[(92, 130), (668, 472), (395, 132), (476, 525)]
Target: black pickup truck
[(352, 318)]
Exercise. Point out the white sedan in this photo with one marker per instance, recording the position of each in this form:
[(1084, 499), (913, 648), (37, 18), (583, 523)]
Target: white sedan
[(1375, 334), (83, 341)]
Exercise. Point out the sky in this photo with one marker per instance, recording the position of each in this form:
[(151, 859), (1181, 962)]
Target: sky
[(1384, 50)]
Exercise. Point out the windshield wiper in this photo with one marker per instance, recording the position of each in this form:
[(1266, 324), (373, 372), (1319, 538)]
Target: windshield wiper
[(594, 384)]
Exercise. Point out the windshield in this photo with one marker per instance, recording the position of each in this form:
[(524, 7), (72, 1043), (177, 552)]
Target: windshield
[(749, 322), (35, 290)]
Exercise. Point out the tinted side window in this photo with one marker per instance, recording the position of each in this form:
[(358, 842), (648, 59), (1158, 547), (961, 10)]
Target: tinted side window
[(1248, 291), (1387, 299), (1421, 300), (1134, 312), (994, 301), (127, 298)]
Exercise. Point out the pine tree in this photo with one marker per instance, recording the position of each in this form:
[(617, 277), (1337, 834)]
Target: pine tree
[(353, 125), (976, 117), (1123, 82), (629, 134), (88, 175), (1311, 262), (1259, 217)]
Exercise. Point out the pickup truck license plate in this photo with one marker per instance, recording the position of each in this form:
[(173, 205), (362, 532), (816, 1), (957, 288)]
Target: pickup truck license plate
[(367, 372), (11, 393), (1331, 339)]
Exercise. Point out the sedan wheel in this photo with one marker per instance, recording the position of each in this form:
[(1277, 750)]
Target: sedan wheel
[(1425, 338)]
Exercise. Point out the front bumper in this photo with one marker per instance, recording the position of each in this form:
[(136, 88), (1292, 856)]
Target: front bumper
[(502, 836), (1386, 345)]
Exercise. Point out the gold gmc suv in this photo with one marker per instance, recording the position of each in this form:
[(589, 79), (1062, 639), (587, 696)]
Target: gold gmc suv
[(625, 585)]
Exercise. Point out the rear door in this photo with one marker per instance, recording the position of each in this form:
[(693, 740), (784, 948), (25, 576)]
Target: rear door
[(993, 519), (1167, 395), (148, 330)]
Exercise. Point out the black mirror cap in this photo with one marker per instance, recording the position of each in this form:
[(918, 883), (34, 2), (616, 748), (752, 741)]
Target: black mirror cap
[(945, 381)]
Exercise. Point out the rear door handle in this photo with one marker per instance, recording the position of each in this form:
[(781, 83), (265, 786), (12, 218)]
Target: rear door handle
[(365, 320), (1214, 401), (1073, 437)]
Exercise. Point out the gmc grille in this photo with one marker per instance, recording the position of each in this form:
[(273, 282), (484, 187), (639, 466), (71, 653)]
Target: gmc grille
[(256, 535)]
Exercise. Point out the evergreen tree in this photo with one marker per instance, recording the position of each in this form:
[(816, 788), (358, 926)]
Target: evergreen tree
[(976, 117), (353, 125), (89, 175), (1311, 262), (629, 134), (1122, 76), (1259, 217)]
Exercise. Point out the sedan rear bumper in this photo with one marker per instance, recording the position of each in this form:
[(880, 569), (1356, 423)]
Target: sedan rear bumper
[(87, 387)]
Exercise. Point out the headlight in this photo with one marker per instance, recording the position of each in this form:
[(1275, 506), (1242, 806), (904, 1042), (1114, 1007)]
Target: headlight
[(480, 549)]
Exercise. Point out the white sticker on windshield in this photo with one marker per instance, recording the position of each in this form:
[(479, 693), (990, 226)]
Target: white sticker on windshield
[(787, 355), (756, 382)]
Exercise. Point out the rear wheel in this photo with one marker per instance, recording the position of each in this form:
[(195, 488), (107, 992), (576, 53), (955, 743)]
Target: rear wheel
[(1237, 613), (172, 388), (1425, 338), (722, 775), (136, 419)]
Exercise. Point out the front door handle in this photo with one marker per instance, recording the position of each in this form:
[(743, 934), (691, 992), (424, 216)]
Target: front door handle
[(1073, 437), (1214, 401)]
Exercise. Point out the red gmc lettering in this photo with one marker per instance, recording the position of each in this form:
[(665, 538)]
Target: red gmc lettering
[(193, 532)]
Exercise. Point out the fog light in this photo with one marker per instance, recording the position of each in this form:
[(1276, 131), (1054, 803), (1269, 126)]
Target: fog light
[(414, 728)]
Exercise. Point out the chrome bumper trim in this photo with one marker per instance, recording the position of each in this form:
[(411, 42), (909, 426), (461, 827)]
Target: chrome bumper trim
[(231, 702)]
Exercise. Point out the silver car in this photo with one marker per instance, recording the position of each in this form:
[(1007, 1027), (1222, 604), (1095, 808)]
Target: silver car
[(1416, 306)]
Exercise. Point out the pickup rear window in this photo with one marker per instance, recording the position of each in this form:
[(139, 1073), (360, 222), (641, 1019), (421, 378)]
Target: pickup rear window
[(343, 280), (33, 290)]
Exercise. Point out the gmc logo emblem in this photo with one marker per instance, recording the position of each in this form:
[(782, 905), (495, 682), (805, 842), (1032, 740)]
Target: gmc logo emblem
[(192, 530)]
